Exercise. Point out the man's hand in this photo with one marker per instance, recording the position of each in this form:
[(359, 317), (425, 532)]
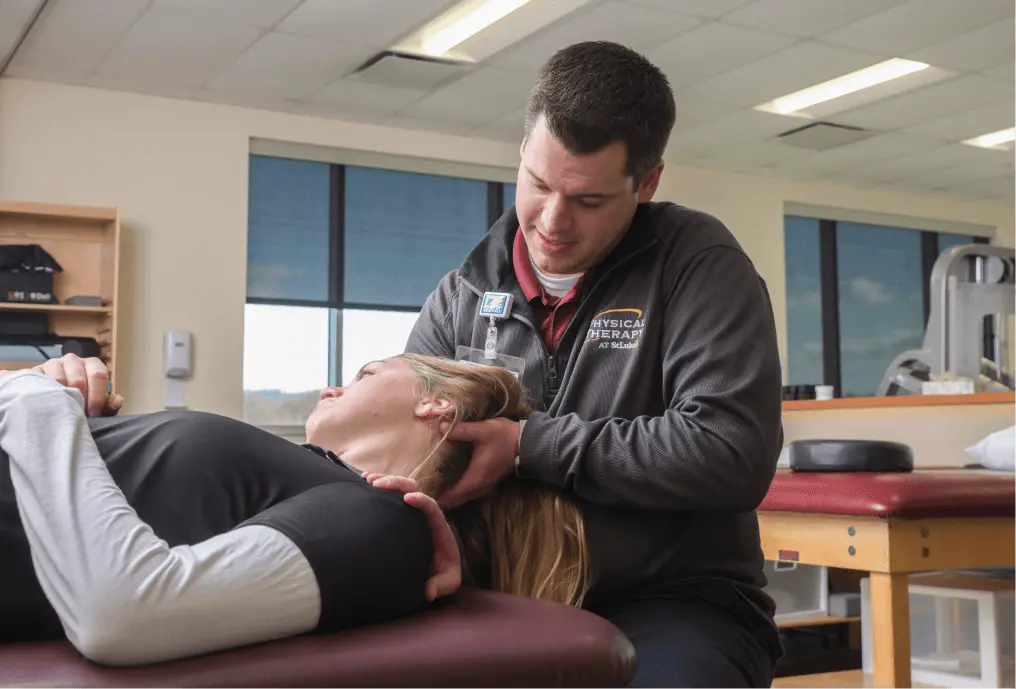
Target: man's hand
[(495, 446), (446, 577), (90, 377)]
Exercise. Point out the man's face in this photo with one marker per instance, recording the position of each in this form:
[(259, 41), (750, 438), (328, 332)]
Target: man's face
[(574, 209)]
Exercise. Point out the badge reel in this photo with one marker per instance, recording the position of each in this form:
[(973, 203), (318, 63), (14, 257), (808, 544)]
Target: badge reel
[(494, 307)]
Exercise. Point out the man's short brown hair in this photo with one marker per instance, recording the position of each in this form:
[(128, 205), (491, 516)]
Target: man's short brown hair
[(594, 93)]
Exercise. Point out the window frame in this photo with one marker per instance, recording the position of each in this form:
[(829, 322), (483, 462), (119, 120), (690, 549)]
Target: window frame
[(336, 302), (832, 363)]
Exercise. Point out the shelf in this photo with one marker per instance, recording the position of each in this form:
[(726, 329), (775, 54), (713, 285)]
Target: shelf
[(815, 620), (54, 308), (848, 678), (85, 241), (901, 401), (52, 210)]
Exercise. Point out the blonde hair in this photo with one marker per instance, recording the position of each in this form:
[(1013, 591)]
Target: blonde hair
[(532, 536)]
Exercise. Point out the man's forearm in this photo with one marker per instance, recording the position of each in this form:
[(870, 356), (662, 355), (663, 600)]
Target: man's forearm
[(668, 462)]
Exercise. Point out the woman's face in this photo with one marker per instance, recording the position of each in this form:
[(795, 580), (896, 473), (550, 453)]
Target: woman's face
[(382, 397)]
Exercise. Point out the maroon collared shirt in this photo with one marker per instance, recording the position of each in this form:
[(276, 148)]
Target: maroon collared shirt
[(553, 314)]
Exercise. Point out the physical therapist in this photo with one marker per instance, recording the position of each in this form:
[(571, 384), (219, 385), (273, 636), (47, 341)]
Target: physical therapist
[(647, 341)]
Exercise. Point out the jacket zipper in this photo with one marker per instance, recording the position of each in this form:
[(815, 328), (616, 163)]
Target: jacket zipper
[(548, 357)]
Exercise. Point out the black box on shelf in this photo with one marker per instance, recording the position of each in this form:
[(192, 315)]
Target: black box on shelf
[(27, 288)]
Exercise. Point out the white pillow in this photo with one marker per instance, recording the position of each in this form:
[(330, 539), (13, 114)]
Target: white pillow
[(997, 451)]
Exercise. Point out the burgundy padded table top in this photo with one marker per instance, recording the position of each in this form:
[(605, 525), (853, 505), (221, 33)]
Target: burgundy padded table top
[(482, 638), (920, 494)]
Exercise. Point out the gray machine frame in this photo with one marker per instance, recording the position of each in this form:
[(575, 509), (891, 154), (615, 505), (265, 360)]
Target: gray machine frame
[(968, 284)]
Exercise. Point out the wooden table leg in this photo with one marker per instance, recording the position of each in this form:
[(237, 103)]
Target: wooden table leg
[(890, 616)]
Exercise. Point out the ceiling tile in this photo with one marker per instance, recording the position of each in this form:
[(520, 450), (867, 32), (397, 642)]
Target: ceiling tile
[(712, 49), (14, 18), (374, 23), (358, 98), (800, 66), (429, 125), (752, 155), (510, 127), (71, 36), (640, 28), (867, 151), (926, 104), (805, 18), (288, 67), (255, 101), (744, 127), (696, 8), (694, 112), (176, 50), (917, 24), (968, 123), (257, 14), (1004, 72), (960, 175), (991, 187), (144, 86), (918, 163), (474, 100), (972, 51)]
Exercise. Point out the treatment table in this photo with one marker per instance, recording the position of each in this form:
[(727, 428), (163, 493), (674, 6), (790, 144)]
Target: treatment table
[(891, 525), (477, 638)]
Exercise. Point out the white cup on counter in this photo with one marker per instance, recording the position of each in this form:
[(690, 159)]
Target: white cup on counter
[(823, 392)]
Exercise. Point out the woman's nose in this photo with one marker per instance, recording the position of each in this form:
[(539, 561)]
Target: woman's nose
[(331, 392)]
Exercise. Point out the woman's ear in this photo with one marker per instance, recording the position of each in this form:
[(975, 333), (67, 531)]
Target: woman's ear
[(433, 409)]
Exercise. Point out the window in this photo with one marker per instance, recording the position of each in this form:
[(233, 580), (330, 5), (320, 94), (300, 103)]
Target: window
[(508, 197), (340, 261), (804, 302), (287, 239), (881, 301), (857, 296), (404, 231)]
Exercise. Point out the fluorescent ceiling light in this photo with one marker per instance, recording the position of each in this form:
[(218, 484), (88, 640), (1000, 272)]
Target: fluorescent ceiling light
[(842, 86), (468, 21), (1000, 140), (473, 30)]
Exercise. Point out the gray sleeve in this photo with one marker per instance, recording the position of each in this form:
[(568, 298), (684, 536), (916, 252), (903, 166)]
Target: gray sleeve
[(434, 331), (716, 445), (123, 596)]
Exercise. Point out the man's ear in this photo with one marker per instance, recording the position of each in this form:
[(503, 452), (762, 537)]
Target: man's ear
[(649, 184)]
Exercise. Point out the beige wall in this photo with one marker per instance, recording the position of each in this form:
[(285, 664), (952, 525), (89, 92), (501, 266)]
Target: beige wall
[(178, 172), (938, 435)]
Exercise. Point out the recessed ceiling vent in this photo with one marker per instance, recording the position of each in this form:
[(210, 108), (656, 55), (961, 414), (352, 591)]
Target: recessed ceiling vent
[(405, 71), (821, 136)]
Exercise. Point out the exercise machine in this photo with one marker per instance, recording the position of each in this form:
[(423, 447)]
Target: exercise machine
[(966, 339)]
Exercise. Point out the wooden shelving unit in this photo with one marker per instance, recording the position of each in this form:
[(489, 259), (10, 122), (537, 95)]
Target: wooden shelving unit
[(85, 241)]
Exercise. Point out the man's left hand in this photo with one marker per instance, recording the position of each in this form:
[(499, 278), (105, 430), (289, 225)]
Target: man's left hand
[(495, 446)]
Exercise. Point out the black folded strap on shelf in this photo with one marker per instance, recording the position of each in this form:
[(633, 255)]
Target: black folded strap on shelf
[(27, 258)]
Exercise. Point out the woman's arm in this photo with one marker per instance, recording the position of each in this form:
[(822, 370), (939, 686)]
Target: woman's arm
[(124, 597)]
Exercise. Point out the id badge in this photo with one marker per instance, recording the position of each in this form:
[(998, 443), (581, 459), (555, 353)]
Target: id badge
[(480, 357)]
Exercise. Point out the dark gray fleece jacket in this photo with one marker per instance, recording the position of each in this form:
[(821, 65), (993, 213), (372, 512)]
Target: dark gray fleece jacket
[(660, 409)]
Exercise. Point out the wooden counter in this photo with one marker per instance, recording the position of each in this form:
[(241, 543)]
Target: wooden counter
[(900, 401)]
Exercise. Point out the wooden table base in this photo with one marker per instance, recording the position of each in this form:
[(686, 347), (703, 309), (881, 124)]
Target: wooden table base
[(889, 549)]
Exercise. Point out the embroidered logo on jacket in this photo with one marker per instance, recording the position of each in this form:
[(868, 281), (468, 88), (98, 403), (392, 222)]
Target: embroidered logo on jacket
[(616, 329)]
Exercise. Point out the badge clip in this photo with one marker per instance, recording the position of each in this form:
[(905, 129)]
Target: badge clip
[(495, 306)]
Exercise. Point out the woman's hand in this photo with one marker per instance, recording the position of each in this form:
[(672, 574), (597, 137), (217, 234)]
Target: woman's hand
[(446, 569), (89, 376)]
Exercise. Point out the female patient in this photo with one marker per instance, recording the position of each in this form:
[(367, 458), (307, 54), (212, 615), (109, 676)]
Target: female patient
[(153, 537)]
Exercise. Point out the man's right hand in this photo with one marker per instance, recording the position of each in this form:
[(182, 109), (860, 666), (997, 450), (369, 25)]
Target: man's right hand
[(90, 377)]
